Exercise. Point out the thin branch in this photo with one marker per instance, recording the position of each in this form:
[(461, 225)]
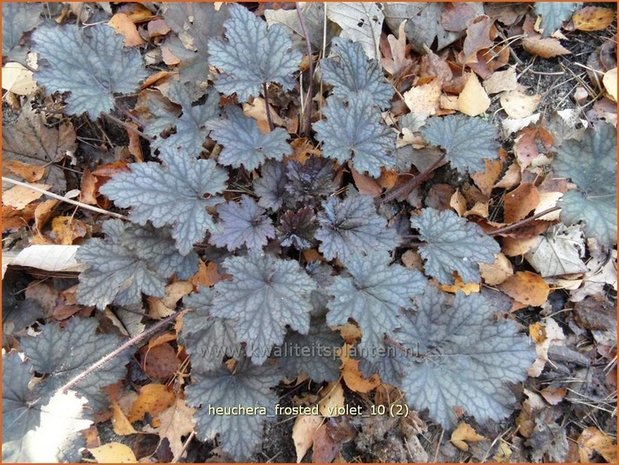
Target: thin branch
[(64, 199), (129, 128), (120, 107), (178, 456), (307, 125), (520, 223), (267, 106), (115, 353), (411, 184)]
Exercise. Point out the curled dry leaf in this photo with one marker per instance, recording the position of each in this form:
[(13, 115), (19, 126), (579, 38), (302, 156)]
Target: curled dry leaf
[(460, 286), (332, 404), (17, 79), (544, 335), (353, 377), (121, 425), (531, 143), (502, 81), (548, 47), (485, 180), (18, 197), (477, 37), (610, 83), (463, 434), (496, 273), (49, 258), (423, 100), (124, 26), (175, 422), (160, 362)]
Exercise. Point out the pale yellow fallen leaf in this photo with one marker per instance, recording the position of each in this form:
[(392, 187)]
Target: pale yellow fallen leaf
[(19, 196), (497, 272), (501, 81), (113, 452), (121, 425), (332, 401), (303, 433), (518, 105), (610, 83), (592, 439), (473, 100), (17, 79), (424, 100)]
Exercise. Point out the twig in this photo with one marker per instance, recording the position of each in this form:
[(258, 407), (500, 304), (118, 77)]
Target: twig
[(185, 445), (520, 223), (129, 128), (115, 353), (64, 199), (266, 106), (411, 184), (128, 114), (310, 89)]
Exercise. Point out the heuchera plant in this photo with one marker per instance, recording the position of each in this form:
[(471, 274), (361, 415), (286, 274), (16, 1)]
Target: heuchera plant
[(445, 353)]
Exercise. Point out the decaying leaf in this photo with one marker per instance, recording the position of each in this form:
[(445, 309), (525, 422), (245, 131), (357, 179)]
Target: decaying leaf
[(361, 22)]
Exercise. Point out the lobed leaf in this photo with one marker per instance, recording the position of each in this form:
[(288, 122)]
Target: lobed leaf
[(90, 63), (252, 55), (353, 130), (62, 354), (201, 22), (271, 186), (352, 73), (352, 226), (17, 19), (453, 244), (242, 223), (176, 193), (191, 126), (467, 141), (459, 358), (244, 144), (311, 180), (38, 429), (206, 338), (315, 353), (131, 260), (248, 386), (591, 165), (373, 296), (265, 295), (297, 228)]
